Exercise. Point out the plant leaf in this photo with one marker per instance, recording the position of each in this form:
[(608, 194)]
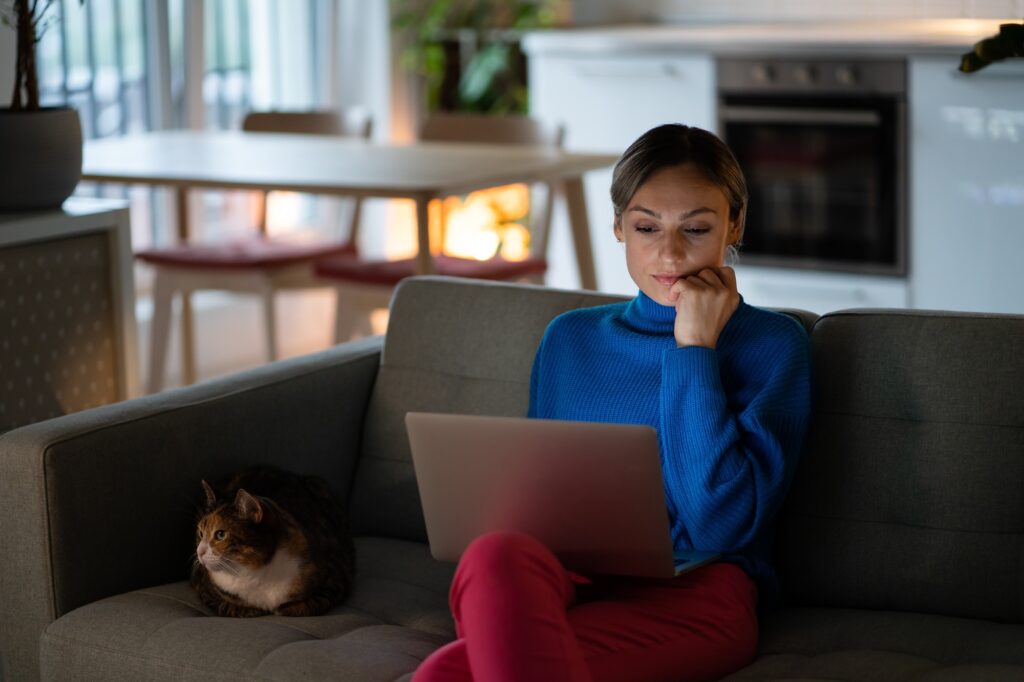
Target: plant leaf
[(487, 64)]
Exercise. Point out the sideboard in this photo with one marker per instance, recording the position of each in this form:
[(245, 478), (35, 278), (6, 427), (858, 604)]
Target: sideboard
[(67, 301)]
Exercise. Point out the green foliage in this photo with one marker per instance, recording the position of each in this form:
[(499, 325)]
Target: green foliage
[(489, 81), (1009, 42)]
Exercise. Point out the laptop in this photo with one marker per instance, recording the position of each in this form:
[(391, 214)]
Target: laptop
[(592, 493)]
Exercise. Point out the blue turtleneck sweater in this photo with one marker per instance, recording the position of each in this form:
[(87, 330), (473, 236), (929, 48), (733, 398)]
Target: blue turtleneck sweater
[(730, 420)]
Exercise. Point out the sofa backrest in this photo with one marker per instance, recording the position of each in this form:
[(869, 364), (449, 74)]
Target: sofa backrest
[(458, 346), (453, 345), (910, 492)]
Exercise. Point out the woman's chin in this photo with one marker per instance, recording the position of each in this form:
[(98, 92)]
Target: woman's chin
[(660, 296)]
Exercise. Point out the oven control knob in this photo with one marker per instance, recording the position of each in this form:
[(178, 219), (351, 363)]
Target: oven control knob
[(805, 75), (846, 75), (762, 74)]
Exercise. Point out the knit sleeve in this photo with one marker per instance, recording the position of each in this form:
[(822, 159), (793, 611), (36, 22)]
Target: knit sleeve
[(726, 470), (535, 376)]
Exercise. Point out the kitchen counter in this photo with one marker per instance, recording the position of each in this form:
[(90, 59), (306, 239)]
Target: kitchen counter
[(901, 37)]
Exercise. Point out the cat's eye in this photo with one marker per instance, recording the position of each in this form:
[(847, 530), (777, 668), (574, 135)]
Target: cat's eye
[(219, 535)]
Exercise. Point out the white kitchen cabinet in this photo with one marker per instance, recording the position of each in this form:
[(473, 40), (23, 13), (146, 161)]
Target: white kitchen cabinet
[(967, 186), (818, 292), (605, 103)]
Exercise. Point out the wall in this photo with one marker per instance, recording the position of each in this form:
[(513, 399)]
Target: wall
[(609, 11), (7, 44)]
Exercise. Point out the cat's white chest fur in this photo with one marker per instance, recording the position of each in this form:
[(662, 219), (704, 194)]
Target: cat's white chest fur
[(267, 587)]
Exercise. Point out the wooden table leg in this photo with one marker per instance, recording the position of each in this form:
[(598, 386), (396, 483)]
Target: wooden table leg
[(188, 358), (424, 260), (576, 203)]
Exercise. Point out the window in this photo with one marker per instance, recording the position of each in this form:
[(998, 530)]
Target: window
[(122, 64)]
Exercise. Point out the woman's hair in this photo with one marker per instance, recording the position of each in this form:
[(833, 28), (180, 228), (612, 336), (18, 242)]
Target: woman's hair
[(674, 144)]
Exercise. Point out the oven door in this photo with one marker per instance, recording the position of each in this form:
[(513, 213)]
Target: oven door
[(826, 180)]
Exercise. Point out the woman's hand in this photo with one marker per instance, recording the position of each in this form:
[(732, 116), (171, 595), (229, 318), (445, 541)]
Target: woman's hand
[(704, 303)]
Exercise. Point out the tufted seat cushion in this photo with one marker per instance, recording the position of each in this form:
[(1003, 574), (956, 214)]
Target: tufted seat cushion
[(805, 644), (348, 268), (396, 615), (248, 253)]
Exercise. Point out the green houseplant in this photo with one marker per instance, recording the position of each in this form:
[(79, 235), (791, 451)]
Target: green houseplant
[(40, 147), (467, 51)]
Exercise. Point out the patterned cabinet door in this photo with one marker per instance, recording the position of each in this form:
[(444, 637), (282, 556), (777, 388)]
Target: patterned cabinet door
[(62, 342)]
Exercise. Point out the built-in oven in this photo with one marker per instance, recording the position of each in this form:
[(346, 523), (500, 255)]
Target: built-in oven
[(823, 146)]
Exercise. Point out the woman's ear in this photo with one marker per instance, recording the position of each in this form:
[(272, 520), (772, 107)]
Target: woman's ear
[(736, 227), (619, 236)]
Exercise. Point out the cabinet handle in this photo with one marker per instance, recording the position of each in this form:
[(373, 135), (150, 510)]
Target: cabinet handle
[(630, 71), (748, 114)]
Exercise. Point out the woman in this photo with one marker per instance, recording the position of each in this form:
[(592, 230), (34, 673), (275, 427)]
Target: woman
[(725, 384)]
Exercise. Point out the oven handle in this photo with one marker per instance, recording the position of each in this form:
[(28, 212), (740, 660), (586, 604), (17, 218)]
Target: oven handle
[(740, 114)]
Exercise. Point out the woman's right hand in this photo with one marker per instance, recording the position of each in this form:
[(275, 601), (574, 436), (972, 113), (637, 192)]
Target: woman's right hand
[(704, 303)]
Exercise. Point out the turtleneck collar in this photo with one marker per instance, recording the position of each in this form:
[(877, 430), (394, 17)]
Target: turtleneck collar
[(645, 314)]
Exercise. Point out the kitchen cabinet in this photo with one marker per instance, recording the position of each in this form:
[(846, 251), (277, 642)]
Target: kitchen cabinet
[(818, 292), (67, 302), (964, 147), (606, 103), (967, 186)]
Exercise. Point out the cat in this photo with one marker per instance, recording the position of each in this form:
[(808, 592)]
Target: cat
[(272, 542)]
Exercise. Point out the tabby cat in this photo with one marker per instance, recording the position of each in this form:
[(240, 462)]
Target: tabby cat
[(271, 541)]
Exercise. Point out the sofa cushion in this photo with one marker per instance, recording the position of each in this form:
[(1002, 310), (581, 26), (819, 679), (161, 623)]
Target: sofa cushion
[(396, 615), (908, 494), (446, 351), (879, 646)]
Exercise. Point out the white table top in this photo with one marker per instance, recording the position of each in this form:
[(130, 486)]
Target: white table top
[(324, 164)]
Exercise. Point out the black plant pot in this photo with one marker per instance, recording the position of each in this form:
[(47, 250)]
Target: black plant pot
[(40, 157)]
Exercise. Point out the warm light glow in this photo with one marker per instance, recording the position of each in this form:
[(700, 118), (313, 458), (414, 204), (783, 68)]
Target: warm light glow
[(477, 227), (379, 321), (284, 210), (515, 242)]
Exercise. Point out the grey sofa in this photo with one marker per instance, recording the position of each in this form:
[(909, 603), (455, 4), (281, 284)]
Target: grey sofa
[(901, 546)]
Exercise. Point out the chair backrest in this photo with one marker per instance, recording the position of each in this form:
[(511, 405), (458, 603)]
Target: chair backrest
[(510, 130), (351, 122)]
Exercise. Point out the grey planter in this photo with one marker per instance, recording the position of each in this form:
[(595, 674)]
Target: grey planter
[(40, 157)]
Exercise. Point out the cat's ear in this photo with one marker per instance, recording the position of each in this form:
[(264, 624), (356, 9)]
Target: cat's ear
[(248, 506), (211, 497)]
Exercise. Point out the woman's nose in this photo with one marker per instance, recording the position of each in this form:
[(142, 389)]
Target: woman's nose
[(674, 247)]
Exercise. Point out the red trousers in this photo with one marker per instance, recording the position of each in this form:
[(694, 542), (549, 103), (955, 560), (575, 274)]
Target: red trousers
[(520, 615)]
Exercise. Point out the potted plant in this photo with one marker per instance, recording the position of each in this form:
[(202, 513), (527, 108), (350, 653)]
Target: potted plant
[(1009, 42), (40, 147), (467, 51)]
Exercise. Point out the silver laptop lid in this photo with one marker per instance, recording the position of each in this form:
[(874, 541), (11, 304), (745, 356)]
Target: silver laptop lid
[(592, 493)]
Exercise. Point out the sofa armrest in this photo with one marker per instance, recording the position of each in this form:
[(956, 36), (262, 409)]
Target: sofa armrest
[(105, 501)]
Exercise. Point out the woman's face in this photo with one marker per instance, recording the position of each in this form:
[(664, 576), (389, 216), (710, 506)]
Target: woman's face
[(675, 225)]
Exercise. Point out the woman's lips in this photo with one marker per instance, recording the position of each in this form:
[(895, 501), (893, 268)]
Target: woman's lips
[(667, 280)]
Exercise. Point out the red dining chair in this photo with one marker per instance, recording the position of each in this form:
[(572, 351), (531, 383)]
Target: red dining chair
[(364, 285), (256, 264)]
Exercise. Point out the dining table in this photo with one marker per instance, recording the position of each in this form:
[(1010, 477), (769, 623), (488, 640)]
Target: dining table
[(320, 164), (182, 160)]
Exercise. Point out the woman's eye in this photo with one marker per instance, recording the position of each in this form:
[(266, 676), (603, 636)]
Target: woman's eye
[(219, 535), (646, 229), (698, 230)]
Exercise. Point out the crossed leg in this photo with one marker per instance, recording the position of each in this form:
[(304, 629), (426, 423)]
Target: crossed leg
[(519, 616)]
